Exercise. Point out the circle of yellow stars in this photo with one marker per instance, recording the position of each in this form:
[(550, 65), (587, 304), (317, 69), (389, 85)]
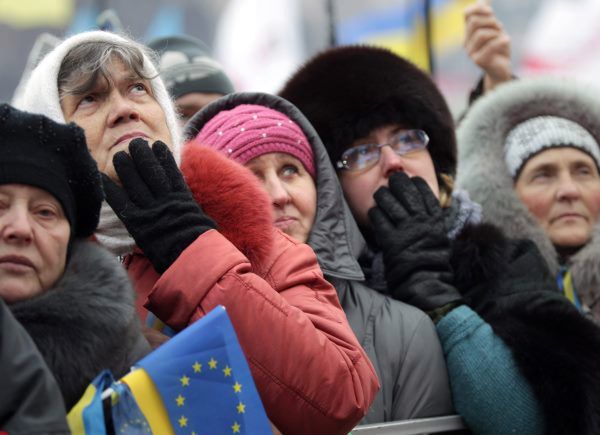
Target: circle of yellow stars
[(227, 372)]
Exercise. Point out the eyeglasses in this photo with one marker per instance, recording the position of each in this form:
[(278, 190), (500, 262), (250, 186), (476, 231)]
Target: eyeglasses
[(365, 156)]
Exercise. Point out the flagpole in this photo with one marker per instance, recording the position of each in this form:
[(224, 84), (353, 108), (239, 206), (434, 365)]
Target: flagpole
[(429, 37), (331, 21)]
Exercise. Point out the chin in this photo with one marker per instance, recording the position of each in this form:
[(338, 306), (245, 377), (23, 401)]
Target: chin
[(14, 294), (572, 239)]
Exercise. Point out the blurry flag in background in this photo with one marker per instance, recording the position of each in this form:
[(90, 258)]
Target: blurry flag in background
[(197, 382), (564, 39), (24, 14), (260, 42), (402, 28)]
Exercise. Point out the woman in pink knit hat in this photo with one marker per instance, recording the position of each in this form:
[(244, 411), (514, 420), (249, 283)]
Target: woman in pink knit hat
[(274, 140)]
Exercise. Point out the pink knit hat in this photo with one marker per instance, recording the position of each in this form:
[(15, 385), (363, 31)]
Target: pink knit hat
[(248, 131)]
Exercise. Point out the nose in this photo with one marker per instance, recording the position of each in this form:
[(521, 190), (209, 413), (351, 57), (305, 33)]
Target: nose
[(15, 226), (568, 189), (390, 162), (122, 109), (277, 192)]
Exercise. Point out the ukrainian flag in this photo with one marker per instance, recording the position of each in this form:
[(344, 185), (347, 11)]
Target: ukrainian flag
[(402, 29), (197, 382)]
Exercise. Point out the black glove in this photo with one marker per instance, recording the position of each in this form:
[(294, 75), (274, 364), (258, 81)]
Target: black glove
[(409, 228), (154, 203), (495, 274)]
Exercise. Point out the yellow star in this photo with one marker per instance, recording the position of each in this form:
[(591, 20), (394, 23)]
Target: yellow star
[(182, 421), (241, 408), (180, 400), (236, 427), (237, 387), (212, 364), (197, 367), (227, 371), (185, 381), (193, 433)]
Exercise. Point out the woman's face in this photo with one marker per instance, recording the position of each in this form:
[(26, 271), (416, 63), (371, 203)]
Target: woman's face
[(561, 189), (359, 186), (292, 191), (114, 113), (34, 238)]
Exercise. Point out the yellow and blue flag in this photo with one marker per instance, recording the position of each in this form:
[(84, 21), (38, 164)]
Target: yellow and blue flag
[(197, 382), (401, 27)]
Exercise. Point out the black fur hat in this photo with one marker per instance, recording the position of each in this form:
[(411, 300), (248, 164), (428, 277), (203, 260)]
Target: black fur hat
[(37, 151), (346, 92)]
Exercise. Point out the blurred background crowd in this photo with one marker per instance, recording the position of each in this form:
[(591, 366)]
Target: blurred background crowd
[(261, 42)]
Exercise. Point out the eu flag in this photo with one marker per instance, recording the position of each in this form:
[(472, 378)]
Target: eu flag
[(204, 381)]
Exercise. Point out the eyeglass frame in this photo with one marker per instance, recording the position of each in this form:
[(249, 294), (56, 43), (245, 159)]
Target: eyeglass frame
[(394, 140)]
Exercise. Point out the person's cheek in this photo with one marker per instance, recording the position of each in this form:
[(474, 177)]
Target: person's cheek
[(539, 206)]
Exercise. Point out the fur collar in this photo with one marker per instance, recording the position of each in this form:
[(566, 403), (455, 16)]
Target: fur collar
[(87, 322), (483, 173), (233, 197), (556, 348)]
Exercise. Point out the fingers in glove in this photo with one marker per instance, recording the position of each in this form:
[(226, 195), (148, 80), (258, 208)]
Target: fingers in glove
[(149, 168), (431, 203), (382, 226), (167, 161), (404, 190), (115, 196), (132, 182), (390, 205)]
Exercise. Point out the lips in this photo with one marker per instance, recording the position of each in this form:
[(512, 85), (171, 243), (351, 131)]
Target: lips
[(285, 222), (569, 216), (16, 263), (129, 136)]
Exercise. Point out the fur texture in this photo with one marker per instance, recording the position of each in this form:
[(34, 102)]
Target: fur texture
[(556, 348), (483, 173), (348, 91), (233, 197), (86, 323)]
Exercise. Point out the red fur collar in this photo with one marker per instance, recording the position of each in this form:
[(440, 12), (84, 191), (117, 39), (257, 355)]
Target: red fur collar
[(233, 197)]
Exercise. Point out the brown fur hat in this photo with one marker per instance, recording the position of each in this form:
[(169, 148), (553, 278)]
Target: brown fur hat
[(346, 92)]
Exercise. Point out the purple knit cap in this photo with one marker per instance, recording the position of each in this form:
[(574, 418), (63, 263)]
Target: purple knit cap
[(248, 131)]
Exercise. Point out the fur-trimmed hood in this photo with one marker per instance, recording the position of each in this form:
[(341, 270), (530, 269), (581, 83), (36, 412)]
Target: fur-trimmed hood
[(86, 322), (335, 237), (483, 172)]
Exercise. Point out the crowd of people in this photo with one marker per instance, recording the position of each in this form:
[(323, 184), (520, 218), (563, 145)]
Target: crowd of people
[(379, 260)]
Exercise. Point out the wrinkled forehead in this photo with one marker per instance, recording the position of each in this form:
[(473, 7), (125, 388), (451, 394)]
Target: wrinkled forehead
[(85, 67)]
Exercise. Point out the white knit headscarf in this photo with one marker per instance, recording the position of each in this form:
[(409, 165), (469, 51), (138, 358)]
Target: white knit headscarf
[(40, 95)]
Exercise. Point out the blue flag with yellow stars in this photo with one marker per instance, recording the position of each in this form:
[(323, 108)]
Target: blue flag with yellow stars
[(203, 381)]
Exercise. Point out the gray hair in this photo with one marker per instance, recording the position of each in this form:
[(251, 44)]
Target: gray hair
[(85, 63)]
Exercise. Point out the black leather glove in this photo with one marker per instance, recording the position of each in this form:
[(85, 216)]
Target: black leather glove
[(409, 228), (154, 203)]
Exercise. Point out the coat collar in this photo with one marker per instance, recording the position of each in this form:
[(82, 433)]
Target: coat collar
[(86, 322)]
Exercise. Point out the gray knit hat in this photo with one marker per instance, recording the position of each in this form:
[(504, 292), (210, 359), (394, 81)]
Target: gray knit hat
[(185, 66), (542, 132)]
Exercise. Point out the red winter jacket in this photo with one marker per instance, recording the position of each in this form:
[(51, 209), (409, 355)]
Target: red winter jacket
[(312, 375)]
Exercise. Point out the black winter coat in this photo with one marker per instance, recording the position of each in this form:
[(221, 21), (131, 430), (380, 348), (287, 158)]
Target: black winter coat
[(557, 349)]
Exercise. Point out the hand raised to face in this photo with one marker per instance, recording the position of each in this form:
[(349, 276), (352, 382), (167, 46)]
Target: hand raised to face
[(409, 229), (154, 202)]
